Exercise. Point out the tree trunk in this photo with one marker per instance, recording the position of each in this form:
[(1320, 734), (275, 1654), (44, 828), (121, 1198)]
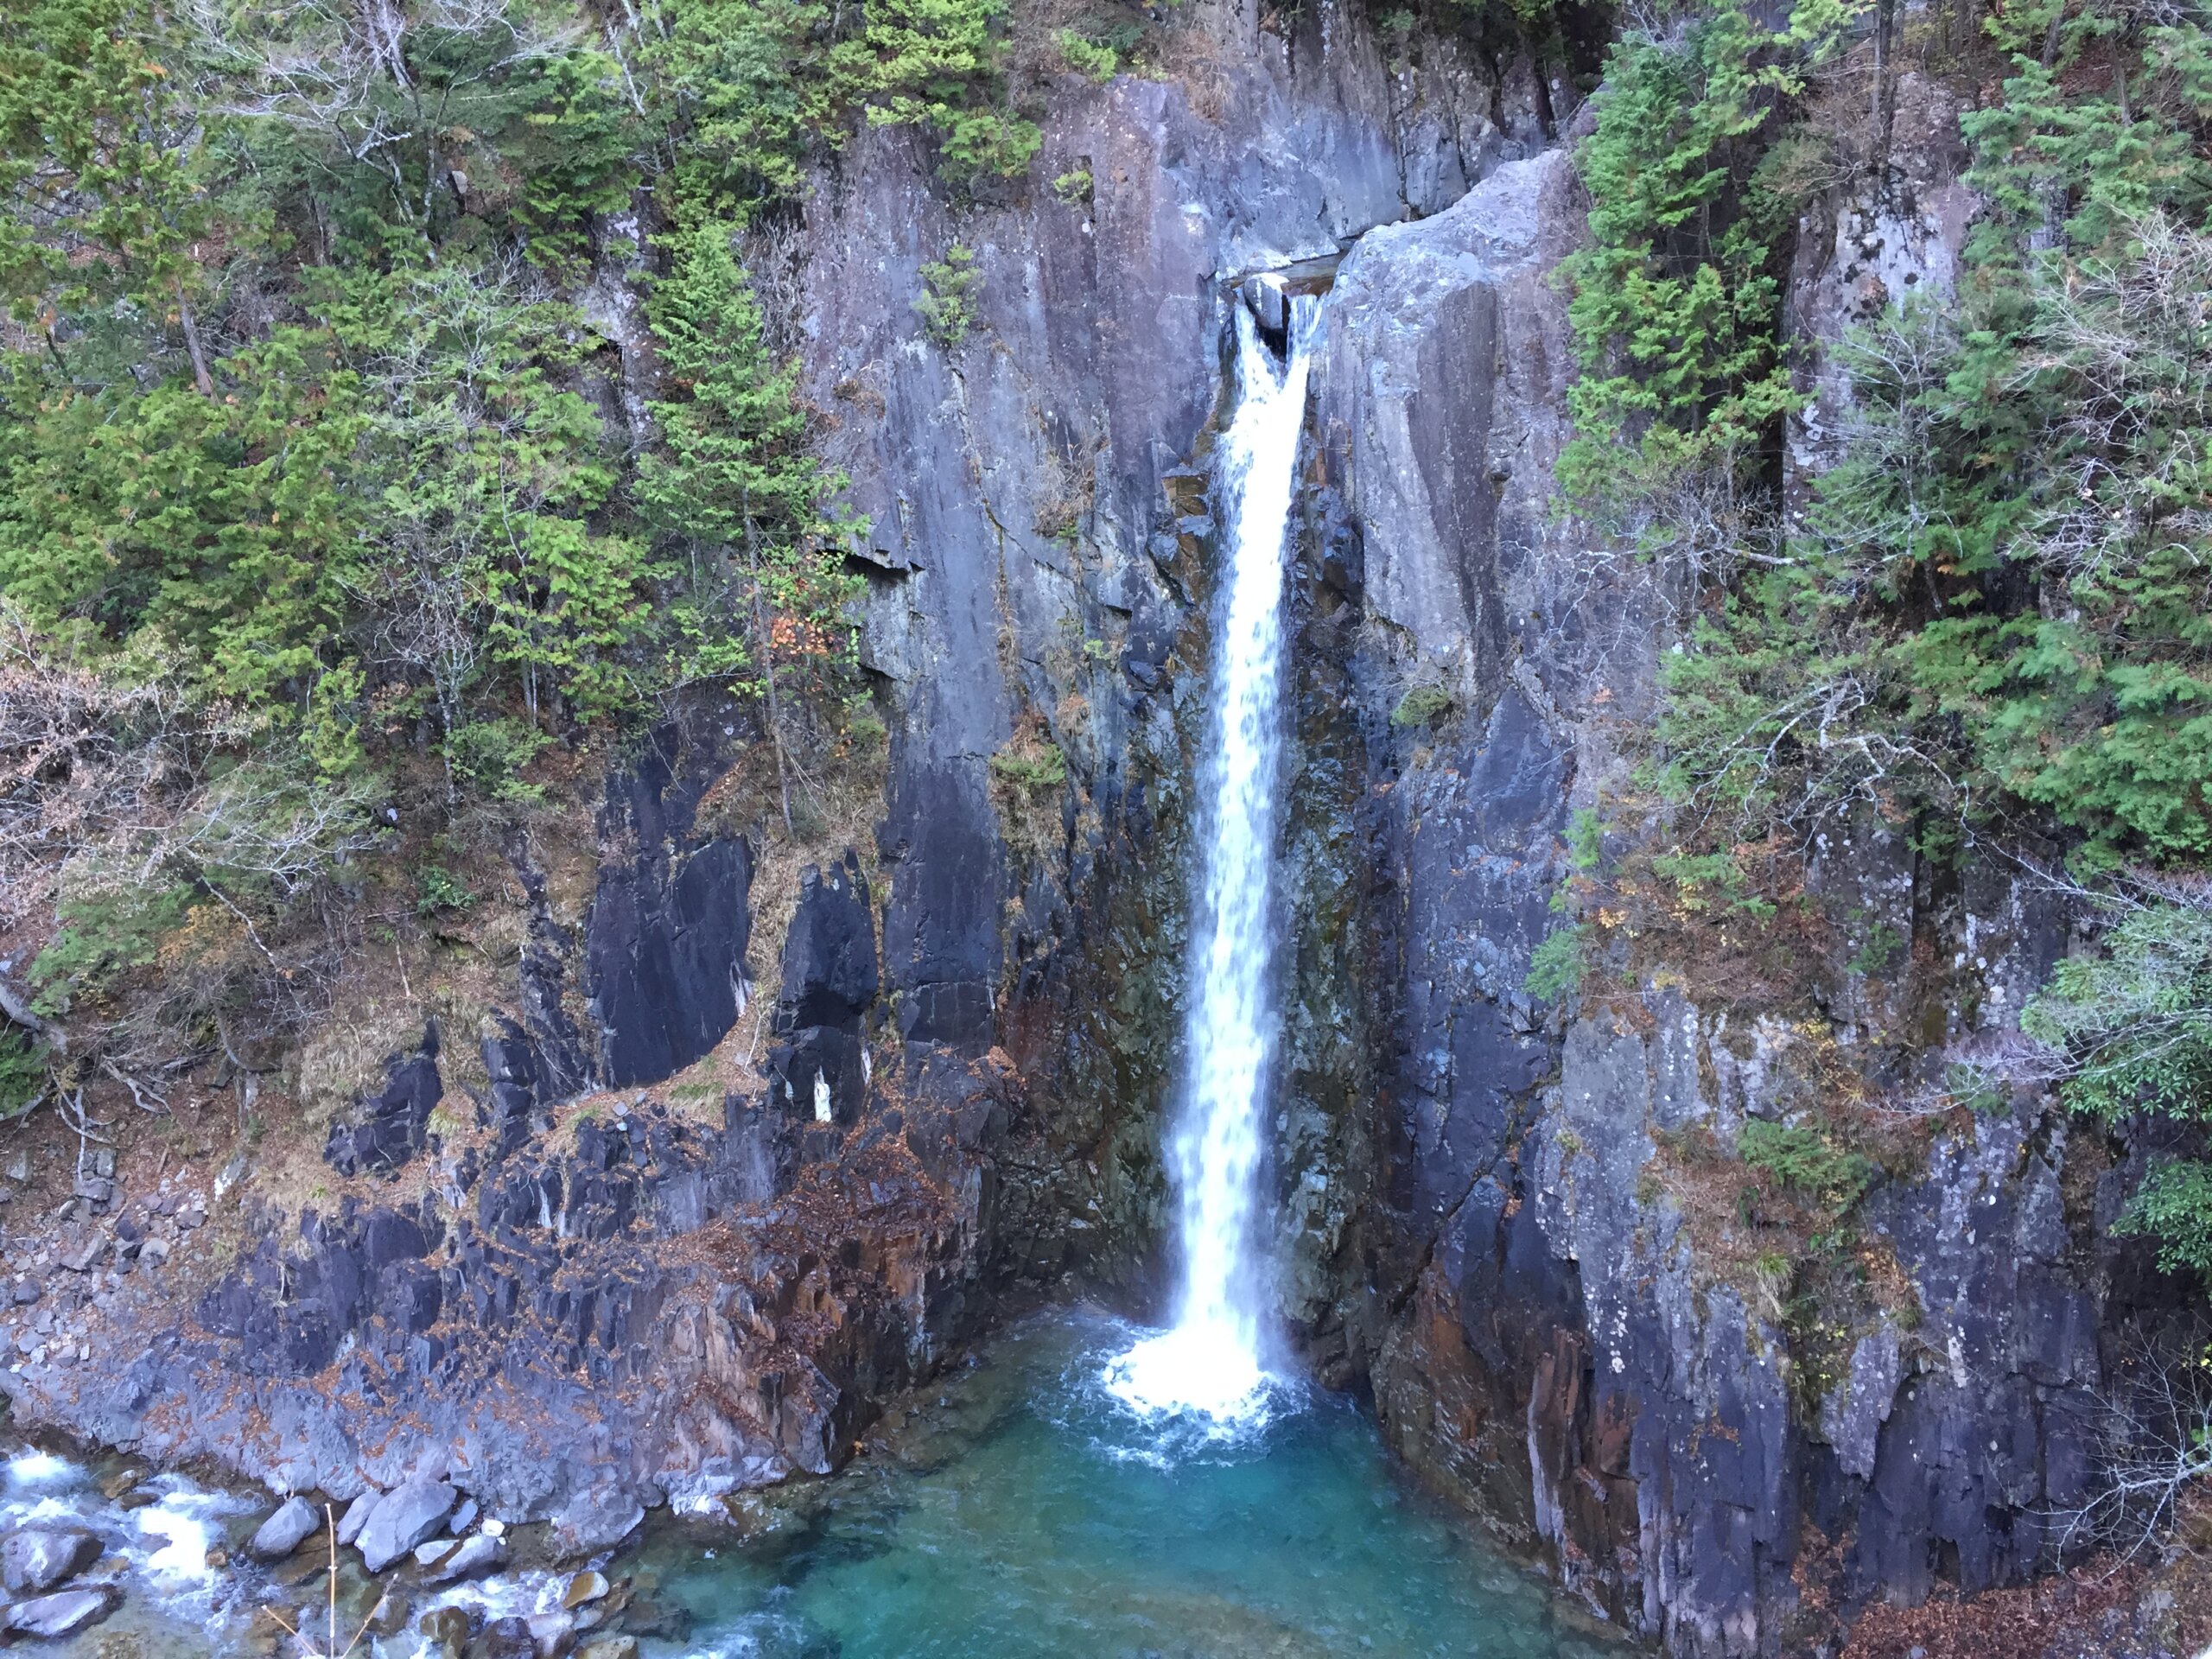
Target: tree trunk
[(201, 378), (765, 646), (1884, 25)]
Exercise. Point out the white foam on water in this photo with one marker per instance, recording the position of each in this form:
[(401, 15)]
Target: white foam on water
[(503, 1595), (35, 1468), (45, 1508), (179, 1559), (1210, 1364), (172, 1536), (1203, 1369)]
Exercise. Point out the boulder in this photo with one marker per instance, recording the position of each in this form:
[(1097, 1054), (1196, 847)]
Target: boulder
[(585, 1586), (64, 1613), (36, 1559), (356, 1515), (610, 1647), (474, 1555), (284, 1531), (505, 1638), (402, 1518), (597, 1518)]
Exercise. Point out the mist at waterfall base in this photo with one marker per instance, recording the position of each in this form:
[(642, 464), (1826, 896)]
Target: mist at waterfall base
[(1208, 1366)]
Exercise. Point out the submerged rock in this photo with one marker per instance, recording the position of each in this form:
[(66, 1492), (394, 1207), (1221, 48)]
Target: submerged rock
[(506, 1638), (389, 1616), (584, 1588)]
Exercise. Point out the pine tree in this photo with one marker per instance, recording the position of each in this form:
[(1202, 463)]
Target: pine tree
[(735, 486)]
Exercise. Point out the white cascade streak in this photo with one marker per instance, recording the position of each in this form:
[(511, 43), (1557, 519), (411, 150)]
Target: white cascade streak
[(1212, 1362)]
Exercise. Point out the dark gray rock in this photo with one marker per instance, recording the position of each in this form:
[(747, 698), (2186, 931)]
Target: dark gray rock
[(284, 1531), (389, 1127), (596, 1519), (402, 1518), (519, 1081), (818, 1069), (33, 1559), (665, 949)]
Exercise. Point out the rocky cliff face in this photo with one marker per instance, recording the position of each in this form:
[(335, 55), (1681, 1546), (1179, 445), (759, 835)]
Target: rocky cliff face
[(664, 1290), (1490, 1213), (1038, 561), (1560, 1324)]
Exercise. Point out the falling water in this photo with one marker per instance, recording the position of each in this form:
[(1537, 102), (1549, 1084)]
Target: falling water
[(1211, 1360)]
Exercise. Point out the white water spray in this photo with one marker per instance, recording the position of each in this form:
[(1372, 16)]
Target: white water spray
[(1211, 1360)]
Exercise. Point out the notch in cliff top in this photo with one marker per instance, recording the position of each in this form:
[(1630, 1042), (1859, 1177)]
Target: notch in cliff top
[(1267, 294)]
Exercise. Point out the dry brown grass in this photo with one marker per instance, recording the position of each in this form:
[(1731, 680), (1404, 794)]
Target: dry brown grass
[(2072, 1615)]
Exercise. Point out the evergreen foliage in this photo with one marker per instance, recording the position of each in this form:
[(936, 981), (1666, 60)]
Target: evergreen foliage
[(1676, 296), (947, 304), (1997, 599), (939, 64), (303, 483), (1994, 613), (2132, 1022), (765, 593)]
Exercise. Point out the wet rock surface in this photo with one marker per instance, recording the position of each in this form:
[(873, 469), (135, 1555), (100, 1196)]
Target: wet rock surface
[(402, 1518), (62, 1614), (286, 1530), (34, 1559)]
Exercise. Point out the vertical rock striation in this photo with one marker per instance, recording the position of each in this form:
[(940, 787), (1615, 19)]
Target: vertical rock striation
[(1485, 1204)]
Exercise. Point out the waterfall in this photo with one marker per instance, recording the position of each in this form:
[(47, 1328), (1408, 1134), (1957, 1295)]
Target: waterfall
[(1211, 1360)]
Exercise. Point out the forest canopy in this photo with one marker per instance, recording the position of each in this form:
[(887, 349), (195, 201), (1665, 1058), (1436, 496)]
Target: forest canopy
[(323, 515)]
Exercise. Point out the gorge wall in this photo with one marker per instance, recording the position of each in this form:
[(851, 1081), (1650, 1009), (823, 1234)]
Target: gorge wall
[(1493, 1215), (1476, 1197)]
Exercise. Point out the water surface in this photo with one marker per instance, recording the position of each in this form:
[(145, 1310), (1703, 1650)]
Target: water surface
[(1020, 1511)]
